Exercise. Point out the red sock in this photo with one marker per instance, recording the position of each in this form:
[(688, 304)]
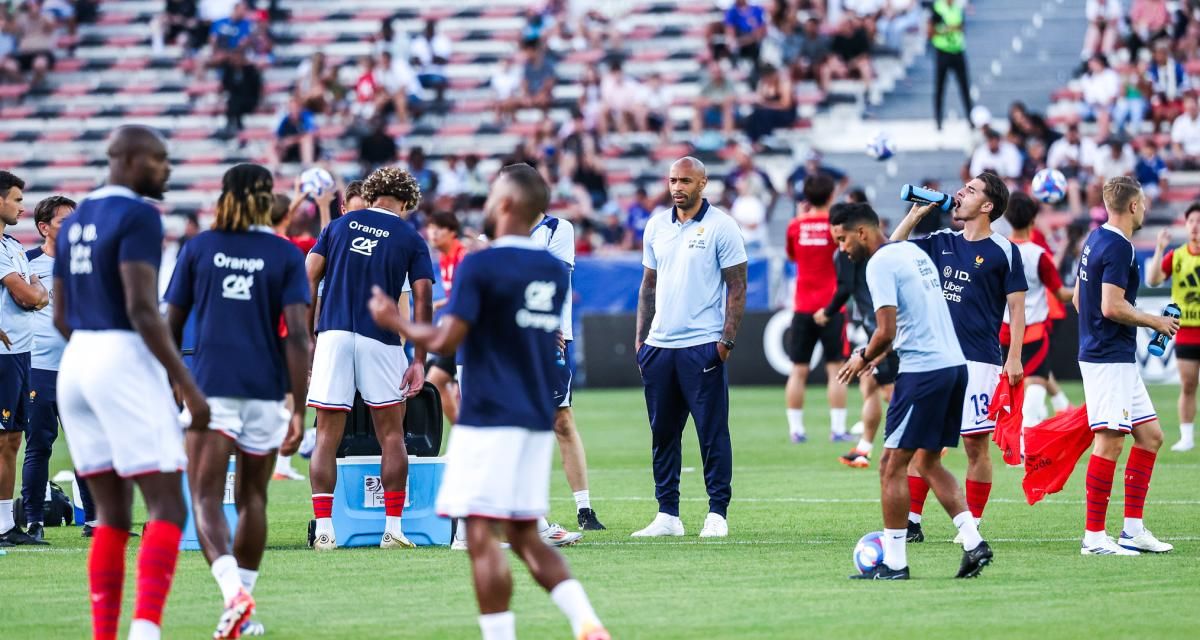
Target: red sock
[(977, 497), (393, 503), (106, 574), (1099, 488), (156, 569), (1137, 480), (918, 490), (322, 505)]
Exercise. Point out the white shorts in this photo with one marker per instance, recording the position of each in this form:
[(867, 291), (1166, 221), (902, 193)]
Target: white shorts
[(1116, 396), (496, 472), (982, 379), (116, 406), (345, 361), (258, 427)]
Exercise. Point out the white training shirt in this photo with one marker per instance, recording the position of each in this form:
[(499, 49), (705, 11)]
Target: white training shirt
[(558, 237)]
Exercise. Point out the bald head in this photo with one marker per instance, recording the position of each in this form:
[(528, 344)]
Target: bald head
[(690, 165), (686, 183), (135, 139), (137, 159)]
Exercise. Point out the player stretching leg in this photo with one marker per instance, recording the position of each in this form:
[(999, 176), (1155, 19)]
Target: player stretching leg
[(1182, 265), (1116, 397), (362, 248), (239, 278), (913, 318), (120, 418), (980, 272), (503, 320)]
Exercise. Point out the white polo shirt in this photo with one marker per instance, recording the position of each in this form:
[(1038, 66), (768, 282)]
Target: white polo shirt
[(689, 300)]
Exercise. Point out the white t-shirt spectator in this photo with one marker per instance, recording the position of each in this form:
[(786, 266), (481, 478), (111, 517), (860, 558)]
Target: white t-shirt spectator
[(400, 78), (506, 81), (1005, 162), (1101, 9), (213, 10), (621, 93), (1185, 132), (1101, 89), (1062, 153), (425, 51), (1106, 167)]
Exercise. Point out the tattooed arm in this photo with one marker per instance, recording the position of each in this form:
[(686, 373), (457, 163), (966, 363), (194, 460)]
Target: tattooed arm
[(735, 304), (645, 308)]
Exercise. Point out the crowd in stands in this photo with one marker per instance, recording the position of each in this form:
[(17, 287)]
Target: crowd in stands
[(36, 33)]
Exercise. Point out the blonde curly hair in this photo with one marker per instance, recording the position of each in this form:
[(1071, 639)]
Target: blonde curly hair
[(394, 182)]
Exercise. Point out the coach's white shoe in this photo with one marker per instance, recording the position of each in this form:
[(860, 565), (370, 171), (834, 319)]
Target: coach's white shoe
[(1144, 542), (395, 541), (1183, 445), (715, 526), (663, 526), (324, 542), (556, 536), (1108, 547)]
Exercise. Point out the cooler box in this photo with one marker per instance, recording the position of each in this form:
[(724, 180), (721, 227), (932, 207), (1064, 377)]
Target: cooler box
[(189, 541), (358, 516)]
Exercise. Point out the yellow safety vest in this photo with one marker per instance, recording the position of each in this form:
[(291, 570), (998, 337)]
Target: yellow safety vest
[(944, 39), (1185, 285)]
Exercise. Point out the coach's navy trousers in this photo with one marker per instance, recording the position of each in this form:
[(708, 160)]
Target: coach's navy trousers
[(680, 382), (40, 434)]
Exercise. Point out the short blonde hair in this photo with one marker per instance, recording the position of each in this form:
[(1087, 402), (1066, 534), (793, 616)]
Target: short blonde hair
[(1119, 193), (394, 182)]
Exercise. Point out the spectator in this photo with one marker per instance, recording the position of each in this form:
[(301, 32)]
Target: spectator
[(612, 232), (191, 229), (636, 217), (743, 165), (474, 182), (1185, 135), (537, 24), (998, 156), (658, 106), (537, 80), (229, 34), (1149, 20), (811, 165), (1028, 124), (426, 177), (505, 83), (368, 94), (1073, 155), (745, 28), (400, 83), (714, 105), (590, 175), (591, 100), (750, 209), (377, 148), (1114, 161), (851, 49), (260, 46), (1104, 26), (774, 106), (624, 99), (1101, 86), (899, 18), (813, 55), (296, 136), (178, 24), (430, 52), (10, 69), (1169, 82), (396, 43), (317, 87), (37, 41), (1131, 106), (1151, 170), (575, 137), (243, 86), (946, 36)]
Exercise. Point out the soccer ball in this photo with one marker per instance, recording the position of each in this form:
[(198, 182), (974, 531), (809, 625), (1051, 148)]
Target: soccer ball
[(880, 147), (1049, 186), (315, 182), (868, 553)]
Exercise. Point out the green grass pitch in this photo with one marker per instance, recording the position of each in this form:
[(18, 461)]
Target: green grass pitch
[(795, 516)]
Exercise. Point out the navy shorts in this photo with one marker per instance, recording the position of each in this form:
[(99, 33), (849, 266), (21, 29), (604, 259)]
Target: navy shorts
[(14, 391), (562, 382), (926, 409)]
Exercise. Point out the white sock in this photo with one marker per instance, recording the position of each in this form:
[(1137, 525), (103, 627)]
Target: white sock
[(914, 518), (225, 570), (570, 598), (1133, 526), (795, 418), (969, 529), (392, 525), (837, 421), (283, 464), (542, 524), (1034, 409), (1093, 538), (325, 525), (864, 446), (895, 551), (249, 579), (583, 499), (1187, 432), (460, 531), (144, 630), (6, 516), (498, 626), (1059, 401)]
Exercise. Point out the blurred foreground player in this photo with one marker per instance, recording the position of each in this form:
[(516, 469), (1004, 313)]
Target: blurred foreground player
[(120, 418), (503, 320)]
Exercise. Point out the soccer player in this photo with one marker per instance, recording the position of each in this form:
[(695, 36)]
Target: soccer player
[(503, 320), (1044, 283), (1116, 397), (812, 249), (374, 246), (981, 271), (442, 230), (21, 296), (1182, 265), (43, 398), (114, 384), (238, 279), (913, 318)]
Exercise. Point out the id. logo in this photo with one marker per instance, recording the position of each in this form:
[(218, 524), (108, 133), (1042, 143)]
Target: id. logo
[(363, 246), (237, 287)]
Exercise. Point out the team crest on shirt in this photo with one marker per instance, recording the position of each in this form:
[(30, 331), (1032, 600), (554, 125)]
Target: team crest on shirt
[(978, 261), (5, 415), (363, 246), (698, 241), (236, 287), (32, 396)]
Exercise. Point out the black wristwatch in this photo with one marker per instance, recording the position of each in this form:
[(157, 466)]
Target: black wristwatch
[(728, 343)]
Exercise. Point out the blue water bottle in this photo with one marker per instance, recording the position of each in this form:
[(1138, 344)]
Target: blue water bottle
[(560, 357), (1158, 342), (921, 195)]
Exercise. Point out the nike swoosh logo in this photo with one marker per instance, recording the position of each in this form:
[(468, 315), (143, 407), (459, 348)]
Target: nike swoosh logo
[(710, 368), (947, 253)]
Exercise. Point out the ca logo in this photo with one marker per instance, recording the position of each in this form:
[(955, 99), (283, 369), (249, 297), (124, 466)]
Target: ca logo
[(237, 287), (364, 246), (539, 296)]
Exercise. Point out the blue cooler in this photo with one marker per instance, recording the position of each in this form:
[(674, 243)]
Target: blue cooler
[(190, 542), (358, 516)]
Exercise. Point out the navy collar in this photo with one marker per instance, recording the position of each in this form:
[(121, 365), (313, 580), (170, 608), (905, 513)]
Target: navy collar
[(699, 215)]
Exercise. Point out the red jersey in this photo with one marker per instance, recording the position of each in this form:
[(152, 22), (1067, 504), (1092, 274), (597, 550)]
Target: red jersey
[(811, 247), (303, 243), (449, 261)]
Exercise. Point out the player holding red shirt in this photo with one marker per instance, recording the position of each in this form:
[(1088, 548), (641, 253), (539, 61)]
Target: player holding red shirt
[(811, 247)]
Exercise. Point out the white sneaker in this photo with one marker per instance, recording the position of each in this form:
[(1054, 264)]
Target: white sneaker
[(715, 526), (325, 542), (958, 536), (286, 473), (1183, 445), (393, 541), (1144, 541), (1107, 548), (663, 526), (458, 545), (556, 536), (308, 443), (857, 429)]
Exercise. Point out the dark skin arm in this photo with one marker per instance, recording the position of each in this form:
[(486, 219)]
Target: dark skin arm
[(877, 348), (735, 305), (297, 349), (645, 307), (314, 266), (422, 295), (443, 338)]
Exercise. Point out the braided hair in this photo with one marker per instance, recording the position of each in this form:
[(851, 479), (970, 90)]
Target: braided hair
[(246, 198)]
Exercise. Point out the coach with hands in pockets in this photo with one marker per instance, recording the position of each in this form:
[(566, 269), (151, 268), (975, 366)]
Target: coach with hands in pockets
[(686, 327)]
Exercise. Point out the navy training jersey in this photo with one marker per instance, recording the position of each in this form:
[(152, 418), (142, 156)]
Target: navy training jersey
[(112, 225), (365, 248), (1107, 258), (977, 277), (237, 285), (511, 295)]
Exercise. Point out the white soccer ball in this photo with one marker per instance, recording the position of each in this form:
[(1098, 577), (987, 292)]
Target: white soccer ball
[(868, 553), (316, 181), (880, 147), (1049, 186)]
